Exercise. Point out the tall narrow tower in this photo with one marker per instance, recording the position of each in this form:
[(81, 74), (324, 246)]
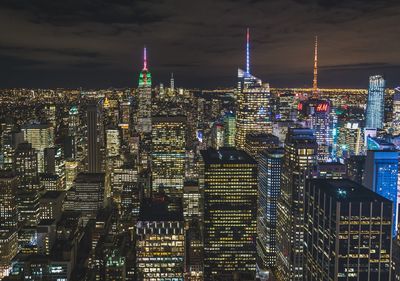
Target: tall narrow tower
[(315, 81), (172, 83), (248, 51), (144, 96)]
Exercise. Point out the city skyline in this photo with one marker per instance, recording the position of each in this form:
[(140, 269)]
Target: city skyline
[(95, 44)]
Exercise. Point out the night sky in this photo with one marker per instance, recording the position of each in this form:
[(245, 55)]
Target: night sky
[(98, 43)]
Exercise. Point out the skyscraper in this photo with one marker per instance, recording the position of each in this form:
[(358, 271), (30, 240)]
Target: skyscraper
[(269, 188), (252, 103), (168, 153), (144, 98), (374, 116), (229, 181), (381, 175), (258, 142), (92, 134), (86, 195), (229, 129), (41, 136), (300, 157), (8, 204), (347, 232), (396, 112), (160, 247)]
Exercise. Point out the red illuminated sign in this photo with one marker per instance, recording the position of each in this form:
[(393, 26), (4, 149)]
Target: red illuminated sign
[(300, 106), (322, 107)]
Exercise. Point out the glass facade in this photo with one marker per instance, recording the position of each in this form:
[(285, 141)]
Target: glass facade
[(375, 103)]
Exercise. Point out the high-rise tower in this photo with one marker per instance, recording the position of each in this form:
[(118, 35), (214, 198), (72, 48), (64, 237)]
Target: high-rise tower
[(315, 81), (300, 157), (228, 178), (252, 103), (374, 116), (144, 97)]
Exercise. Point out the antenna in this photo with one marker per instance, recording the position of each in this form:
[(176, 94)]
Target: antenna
[(248, 51), (144, 58), (315, 81)]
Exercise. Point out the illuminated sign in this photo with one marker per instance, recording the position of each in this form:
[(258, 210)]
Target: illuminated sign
[(300, 106), (322, 107)]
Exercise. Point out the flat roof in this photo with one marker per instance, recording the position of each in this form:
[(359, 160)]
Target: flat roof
[(347, 190), (157, 209), (226, 155)]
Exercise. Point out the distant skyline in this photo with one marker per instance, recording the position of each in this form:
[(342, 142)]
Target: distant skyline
[(99, 43)]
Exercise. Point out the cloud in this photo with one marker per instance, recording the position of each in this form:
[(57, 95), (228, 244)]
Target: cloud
[(201, 41)]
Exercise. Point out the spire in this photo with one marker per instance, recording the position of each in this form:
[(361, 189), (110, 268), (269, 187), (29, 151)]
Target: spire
[(248, 51), (144, 58), (315, 81), (172, 84)]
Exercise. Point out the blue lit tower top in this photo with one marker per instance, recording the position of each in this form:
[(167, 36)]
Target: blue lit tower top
[(375, 103), (145, 75), (244, 76)]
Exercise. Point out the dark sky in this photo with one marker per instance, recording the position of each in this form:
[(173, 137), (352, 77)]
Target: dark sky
[(98, 43)]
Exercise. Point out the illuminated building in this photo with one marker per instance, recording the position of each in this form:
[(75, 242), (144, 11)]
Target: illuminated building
[(381, 175), (41, 267), (228, 178), (269, 187), (160, 247), (86, 195), (8, 250), (355, 166), (71, 171), (28, 207), (347, 232), (287, 110), (41, 136), (374, 116), (130, 199), (120, 176), (75, 133), (93, 149), (229, 129), (144, 98), (168, 153), (8, 205), (396, 112), (252, 109), (320, 118), (257, 142), (112, 142), (217, 135), (9, 142), (299, 159), (194, 266), (350, 141), (331, 170), (50, 182), (26, 164), (50, 112), (51, 205), (191, 201)]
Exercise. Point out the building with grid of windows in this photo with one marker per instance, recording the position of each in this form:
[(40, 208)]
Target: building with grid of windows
[(160, 248), (347, 232), (168, 153), (229, 180), (269, 187), (300, 158)]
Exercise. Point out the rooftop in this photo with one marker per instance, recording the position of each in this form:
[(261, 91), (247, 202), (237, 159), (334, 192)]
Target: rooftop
[(347, 190), (53, 194), (157, 209), (226, 155)]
